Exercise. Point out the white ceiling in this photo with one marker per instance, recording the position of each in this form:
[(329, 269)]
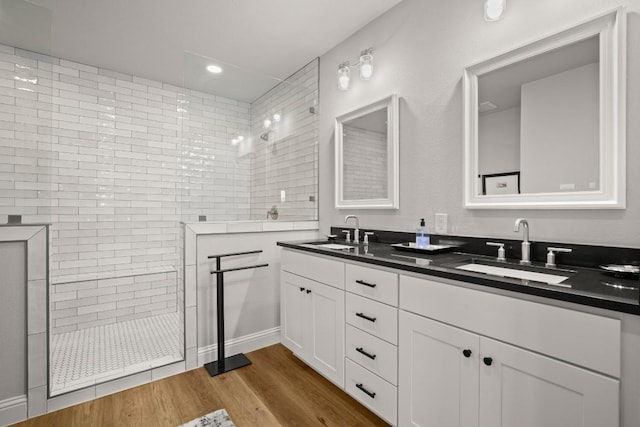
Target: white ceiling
[(169, 40)]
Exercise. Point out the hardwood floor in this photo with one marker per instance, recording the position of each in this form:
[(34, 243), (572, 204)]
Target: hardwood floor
[(277, 389)]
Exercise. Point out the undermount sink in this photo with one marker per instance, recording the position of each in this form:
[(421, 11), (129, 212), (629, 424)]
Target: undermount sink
[(336, 246), (514, 271), (329, 244)]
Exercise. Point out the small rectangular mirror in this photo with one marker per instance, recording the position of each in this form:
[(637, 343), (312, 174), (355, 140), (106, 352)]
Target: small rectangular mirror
[(544, 124), (367, 156)]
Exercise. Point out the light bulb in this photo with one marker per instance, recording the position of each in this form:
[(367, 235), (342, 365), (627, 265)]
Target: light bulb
[(240, 138), (276, 117), (267, 123), (215, 69), (343, 76), (493, 9), (234, 141), (366, 64)]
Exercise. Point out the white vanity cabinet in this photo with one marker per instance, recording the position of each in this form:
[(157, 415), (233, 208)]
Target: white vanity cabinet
[(471, 358), (312, 312)]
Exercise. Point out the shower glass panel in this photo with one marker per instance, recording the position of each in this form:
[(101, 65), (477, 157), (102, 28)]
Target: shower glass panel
[(249, 144)]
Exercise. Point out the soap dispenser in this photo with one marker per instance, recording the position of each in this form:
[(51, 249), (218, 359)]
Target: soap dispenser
[(422, 238)]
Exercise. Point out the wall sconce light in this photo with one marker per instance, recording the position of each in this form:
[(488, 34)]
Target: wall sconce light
[(344, 74), (493, 9), (365, 63)]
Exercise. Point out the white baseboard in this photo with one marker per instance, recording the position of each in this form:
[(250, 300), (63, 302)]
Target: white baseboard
[(243, 344), (13, 410)]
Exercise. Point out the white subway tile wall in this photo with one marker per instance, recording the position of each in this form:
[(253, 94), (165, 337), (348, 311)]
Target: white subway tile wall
[(114, 161), (87, 304), (364, 157), (284, 166)]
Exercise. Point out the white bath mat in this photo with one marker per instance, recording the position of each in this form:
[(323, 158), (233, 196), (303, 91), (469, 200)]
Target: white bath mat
[(219, 418)]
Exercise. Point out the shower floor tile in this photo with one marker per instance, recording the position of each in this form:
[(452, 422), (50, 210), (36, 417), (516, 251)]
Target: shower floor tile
[(90, 356)]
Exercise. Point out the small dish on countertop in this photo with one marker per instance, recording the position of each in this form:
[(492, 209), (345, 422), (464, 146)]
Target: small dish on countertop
[(622, 270)]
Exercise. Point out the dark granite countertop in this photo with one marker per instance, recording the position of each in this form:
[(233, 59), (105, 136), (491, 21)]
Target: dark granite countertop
[(586, 286)]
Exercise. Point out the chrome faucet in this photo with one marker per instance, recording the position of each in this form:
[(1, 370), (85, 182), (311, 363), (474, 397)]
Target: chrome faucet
[(356, 232), (526, 245)]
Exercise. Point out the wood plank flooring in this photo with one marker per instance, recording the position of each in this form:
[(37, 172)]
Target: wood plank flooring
[(277, 389)]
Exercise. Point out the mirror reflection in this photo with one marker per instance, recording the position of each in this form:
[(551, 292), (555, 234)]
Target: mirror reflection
[(538, 123), (365, 156), (366, 168)]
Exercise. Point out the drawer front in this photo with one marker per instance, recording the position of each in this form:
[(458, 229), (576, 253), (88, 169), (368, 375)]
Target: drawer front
[(372, 391), (378, 319), (314, 267), (372, 283), (378, 356)]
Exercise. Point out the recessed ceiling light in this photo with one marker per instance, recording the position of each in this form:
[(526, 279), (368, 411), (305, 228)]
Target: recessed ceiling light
[(215, 69)]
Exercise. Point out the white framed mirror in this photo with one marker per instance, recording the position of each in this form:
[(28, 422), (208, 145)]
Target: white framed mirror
[(545, 123), (366, 156)]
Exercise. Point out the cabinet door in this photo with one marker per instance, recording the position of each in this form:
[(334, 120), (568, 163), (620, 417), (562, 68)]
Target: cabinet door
[(524, 389), (292, 312), (438, 374), (326, 347)]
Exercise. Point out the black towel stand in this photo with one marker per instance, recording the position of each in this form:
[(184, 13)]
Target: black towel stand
[(230, 363)]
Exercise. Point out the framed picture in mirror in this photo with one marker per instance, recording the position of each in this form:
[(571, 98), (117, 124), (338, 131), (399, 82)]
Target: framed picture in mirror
[(501, 183)]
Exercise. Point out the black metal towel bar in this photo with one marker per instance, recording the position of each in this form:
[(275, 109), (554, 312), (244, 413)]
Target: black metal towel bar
[(230, 363)]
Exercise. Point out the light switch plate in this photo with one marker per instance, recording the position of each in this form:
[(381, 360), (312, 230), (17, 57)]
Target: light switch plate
[(441, 223)]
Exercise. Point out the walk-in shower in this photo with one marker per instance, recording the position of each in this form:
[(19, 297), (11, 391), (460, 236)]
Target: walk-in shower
[(115, 163)]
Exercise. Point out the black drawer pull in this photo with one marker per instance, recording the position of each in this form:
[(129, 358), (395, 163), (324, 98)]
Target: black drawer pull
[(367, 392), (364, 316), (487, 361), (467, 353), (362, 282), (308, 291), (301, 289), (361, 351)]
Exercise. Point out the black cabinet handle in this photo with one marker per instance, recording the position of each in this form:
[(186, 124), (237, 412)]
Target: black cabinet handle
[(361, 351), (364, 316), (365, 391), (301, 289), (308, 291), (362, 282), (467, 353), (487, 361)]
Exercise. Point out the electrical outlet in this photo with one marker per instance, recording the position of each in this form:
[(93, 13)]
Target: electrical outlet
[(441, 223)]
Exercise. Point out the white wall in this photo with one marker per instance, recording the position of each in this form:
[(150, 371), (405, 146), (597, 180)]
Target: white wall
[(499, 147), (560, 132), (420, 51)]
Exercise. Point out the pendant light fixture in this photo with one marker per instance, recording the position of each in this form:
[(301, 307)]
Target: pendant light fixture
[(493, 9)]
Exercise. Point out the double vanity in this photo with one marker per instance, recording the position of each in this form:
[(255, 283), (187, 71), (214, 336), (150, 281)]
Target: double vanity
[(459, 337)]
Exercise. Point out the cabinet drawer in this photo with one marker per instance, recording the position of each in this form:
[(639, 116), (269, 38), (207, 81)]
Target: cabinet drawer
[(372, 391), (376, 355), (372, 283), (314, 267), (371, 316)]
